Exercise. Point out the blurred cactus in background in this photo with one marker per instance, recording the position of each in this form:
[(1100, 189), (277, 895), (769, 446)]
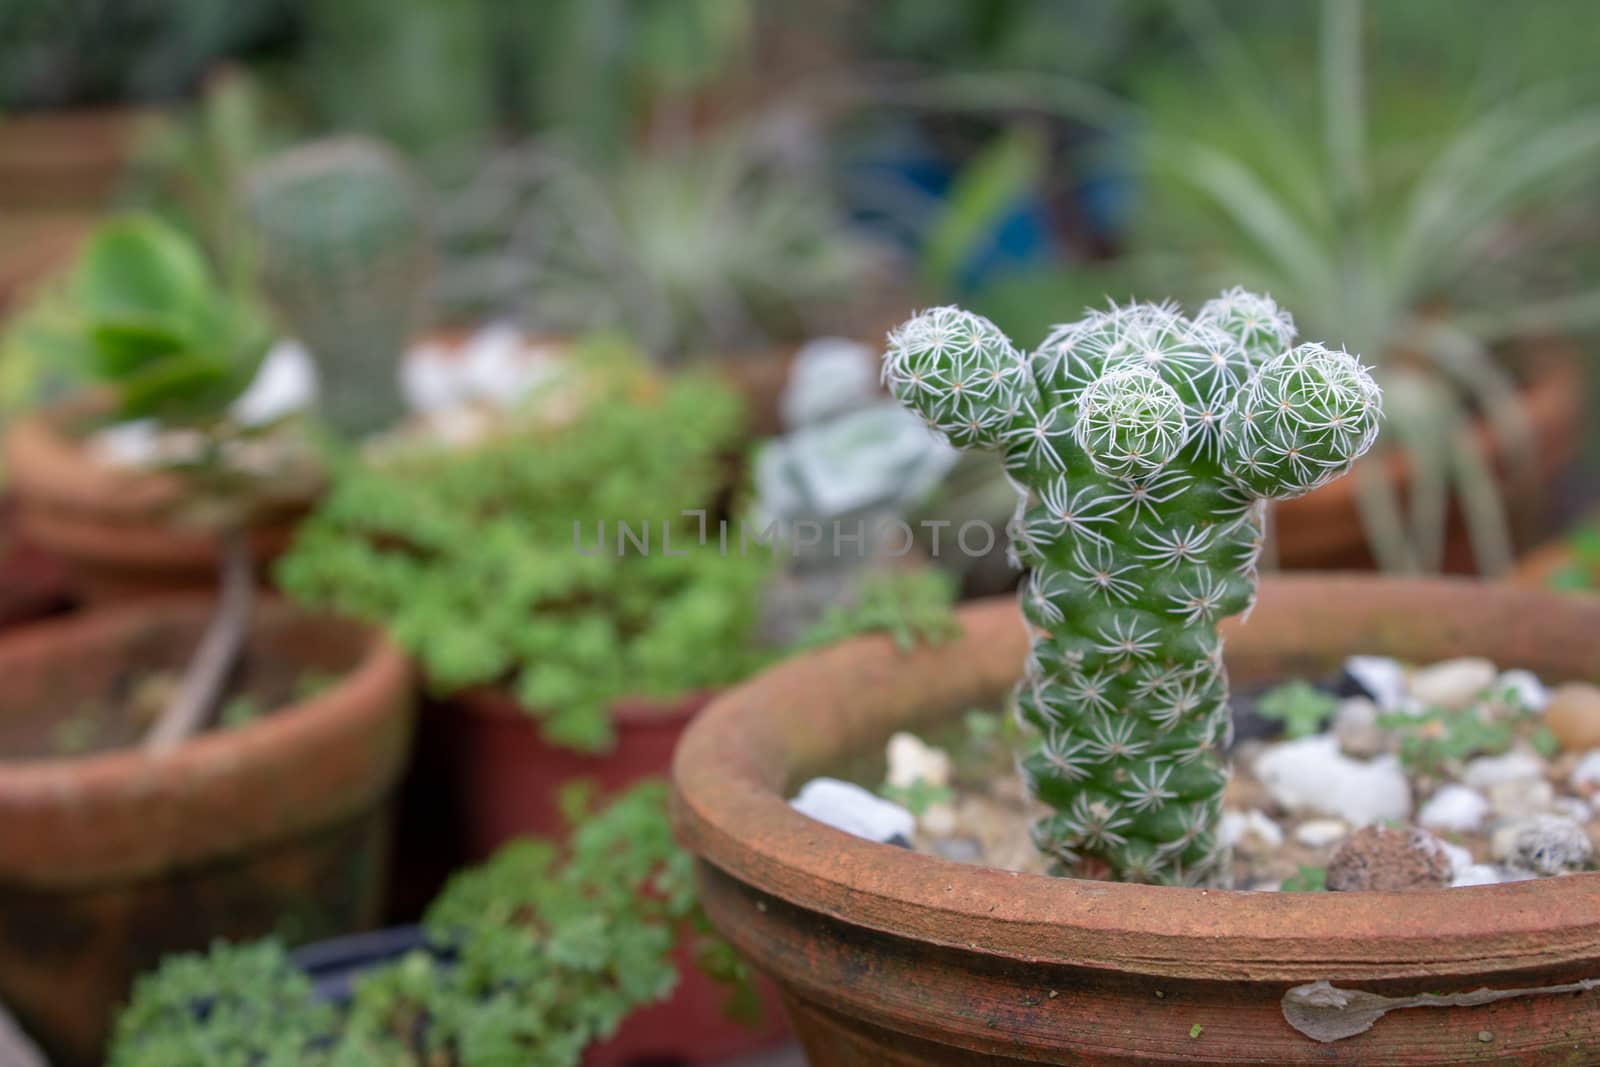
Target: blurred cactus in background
[(1142, 445), (343, 237)]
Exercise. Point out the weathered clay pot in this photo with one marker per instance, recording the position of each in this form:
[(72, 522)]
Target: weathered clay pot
[(32, 585), (114, 528), (484, 776), (110, 861), (887, 956), (1323, 529), (66, 160)]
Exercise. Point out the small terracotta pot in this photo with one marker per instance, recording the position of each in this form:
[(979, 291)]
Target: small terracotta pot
[(888, 956), (110, 861), (32, 584), (66, 160), (114, 528), (484, 776), (1322, 530)]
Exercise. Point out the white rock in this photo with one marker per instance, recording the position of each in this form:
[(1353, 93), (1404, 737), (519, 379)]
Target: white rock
[(1574, 808), (911, 761), (1587, 772), (1311, 774), (848, 807), (1529, 691), (1249, 831), (1488, 874), (1550, 844), (939, 820), (1355, 724), (1320, 833), (1383, 678), (1522, 798), (1460, 858), (1454, 807), (500, 368), (285, 384), (1453, 684), (1517, 765), (431, 379)]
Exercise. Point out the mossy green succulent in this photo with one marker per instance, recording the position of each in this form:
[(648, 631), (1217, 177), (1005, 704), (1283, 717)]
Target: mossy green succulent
[(1143, 444)]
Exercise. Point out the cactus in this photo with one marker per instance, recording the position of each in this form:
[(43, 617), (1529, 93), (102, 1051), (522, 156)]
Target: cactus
[(1143, 445), (342, 234)]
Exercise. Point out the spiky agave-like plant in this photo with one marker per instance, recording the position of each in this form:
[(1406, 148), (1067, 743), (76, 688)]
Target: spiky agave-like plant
[(1143, 445)]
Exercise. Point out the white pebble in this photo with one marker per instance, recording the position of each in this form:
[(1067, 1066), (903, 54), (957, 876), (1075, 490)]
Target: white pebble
[(1551, 844), (1355, 724), (1488, 874), (1249, 831), (285, 383), (1454, 807), (1587, 772), (1453, 684), (939, 820), (1320, 833), (1460, 858), (1311, 774), (1574, 808), (848, 807), (1486, 771), (1522, 798), (911, 761), (1383, 678), (1529, 691)]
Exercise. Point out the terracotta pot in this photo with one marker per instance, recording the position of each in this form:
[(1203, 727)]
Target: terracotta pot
[(887, 956), (1322, 530), (484, 776), (114, 528), (66, 160), (33, 246), (32, 585), (110, 861)]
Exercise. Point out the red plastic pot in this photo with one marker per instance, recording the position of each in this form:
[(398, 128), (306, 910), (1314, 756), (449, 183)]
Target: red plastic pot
[(890, 957), (484, 776)]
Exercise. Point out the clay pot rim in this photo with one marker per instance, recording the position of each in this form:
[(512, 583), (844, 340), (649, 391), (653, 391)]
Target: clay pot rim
[(331, 728), (732, 768)]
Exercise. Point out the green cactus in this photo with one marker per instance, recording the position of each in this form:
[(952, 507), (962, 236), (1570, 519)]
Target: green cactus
[(342, 232), (1142, 444)]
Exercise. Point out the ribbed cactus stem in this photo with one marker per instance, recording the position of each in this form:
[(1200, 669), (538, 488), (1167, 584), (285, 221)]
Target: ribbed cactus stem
[(342, 232), (1143, 445)]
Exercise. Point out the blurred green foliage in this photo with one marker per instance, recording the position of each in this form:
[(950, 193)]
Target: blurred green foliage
[(535, 955), (506, 563)]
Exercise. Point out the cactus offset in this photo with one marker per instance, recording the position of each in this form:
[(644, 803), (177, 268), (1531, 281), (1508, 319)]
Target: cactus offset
[(1143, 444), (343, 237)]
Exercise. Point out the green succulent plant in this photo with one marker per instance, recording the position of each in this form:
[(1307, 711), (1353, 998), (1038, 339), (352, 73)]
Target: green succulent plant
[(506, 564), (342, 234), (1143, 445), (537, 954), (143, 313)]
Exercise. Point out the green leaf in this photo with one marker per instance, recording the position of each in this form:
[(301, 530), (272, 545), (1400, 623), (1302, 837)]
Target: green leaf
[(988, 187), (1307, 880), (1301, 707), (138, 265)]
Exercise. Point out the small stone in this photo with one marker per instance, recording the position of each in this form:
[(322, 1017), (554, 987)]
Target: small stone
[(1311, 775), (1525, 687), (939, 820), (1488, 874), (1249, 831), (1384, 679), (1486, 1036), (1587, 772), (1573, 715), (1320, 833), (960, 849), (1574, 808), (1487, 771), (1388, 858), (1453, 684), (1521, 799), (1355, 724), (911, 761), (848, 807), (1454, 807), (1460, 858), (1551, 844)]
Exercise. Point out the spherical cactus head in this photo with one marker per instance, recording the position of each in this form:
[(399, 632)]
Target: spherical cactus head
[(1130, 423), (1255, 320), (960, 373), (1303, 420)]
